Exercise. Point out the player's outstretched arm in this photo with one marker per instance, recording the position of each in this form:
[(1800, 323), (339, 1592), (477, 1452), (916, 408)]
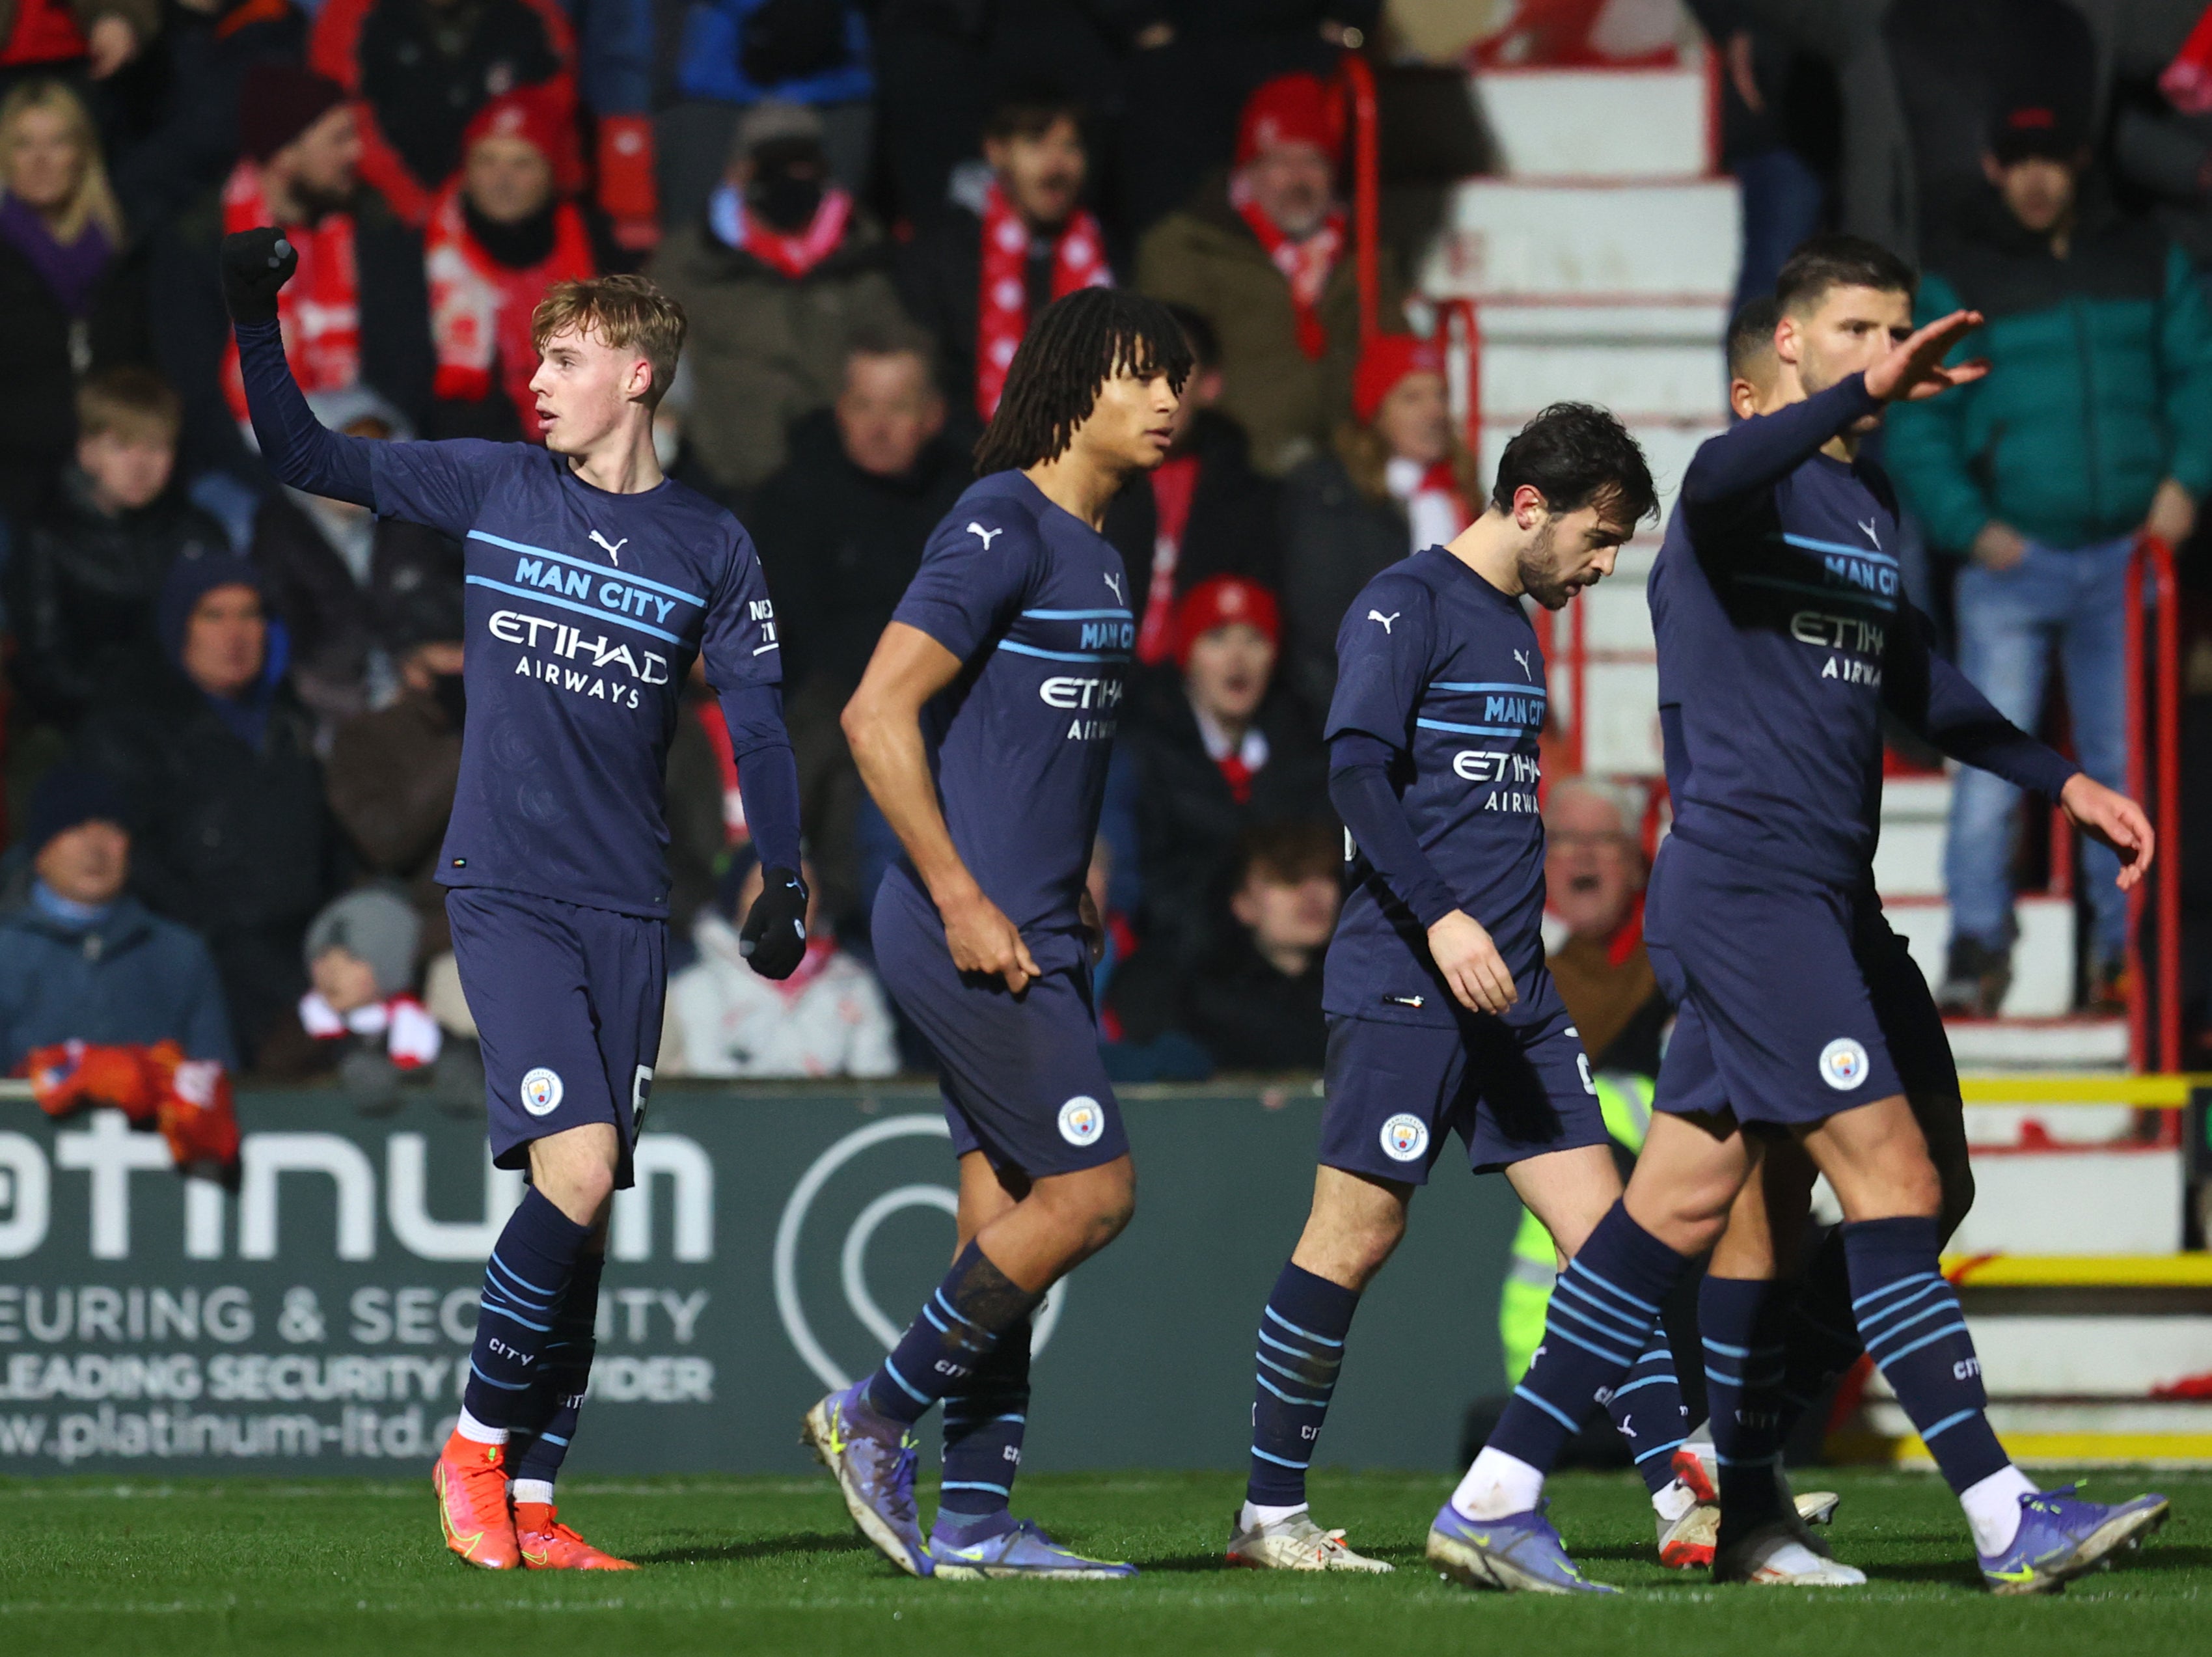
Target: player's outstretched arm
[(298, 448), (1360, 788), (1754, 454), (882, 725)]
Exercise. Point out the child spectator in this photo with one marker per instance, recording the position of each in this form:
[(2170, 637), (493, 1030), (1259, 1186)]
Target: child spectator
[(362, 1009), (1253, 1001), (1396, 480), (355, 592), (82, 960), (214, 757), (420, 70), (73, 302), (1214, 754), (500, 235), (85, 576), (777, 279), (827, 1018)]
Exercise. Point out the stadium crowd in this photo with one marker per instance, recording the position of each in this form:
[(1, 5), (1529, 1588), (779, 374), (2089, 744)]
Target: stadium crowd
[(234, 712)]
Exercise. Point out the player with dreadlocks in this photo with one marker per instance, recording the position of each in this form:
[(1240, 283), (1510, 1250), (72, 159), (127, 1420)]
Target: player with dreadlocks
[(983, 728)]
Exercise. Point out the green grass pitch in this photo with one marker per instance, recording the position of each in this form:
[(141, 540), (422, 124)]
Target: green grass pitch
[(772, 1565)]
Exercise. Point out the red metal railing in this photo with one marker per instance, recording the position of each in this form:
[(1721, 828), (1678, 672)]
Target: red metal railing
[(2154, 682)]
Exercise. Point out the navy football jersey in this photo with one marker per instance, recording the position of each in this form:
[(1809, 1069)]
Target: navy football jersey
[(1438, 663), (1776, 611), (1036, 604), (584, 612)]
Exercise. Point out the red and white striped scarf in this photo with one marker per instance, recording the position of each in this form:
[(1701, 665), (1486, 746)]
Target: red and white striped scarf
[(1305, 264), (1002, 297), (318, 310), (480, 309)]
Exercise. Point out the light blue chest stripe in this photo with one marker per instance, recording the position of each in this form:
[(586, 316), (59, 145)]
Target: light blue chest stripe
[(1502, 690), (1478, 730), (607, 616), (1869, 554), (1079, 615), (613, 574), (1845, 595), (1063, 655)]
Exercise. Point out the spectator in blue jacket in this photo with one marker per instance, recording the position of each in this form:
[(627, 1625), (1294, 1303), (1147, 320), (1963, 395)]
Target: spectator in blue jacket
[(2094, 426), (83, 960)]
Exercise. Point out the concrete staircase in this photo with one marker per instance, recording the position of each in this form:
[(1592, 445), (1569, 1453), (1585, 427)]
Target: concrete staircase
[(1600, 263)]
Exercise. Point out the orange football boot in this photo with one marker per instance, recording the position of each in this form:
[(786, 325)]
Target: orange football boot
[(548, 1545), (470, 1479)]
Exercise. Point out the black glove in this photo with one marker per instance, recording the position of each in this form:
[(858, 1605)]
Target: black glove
[(255, 264), (774, 938)]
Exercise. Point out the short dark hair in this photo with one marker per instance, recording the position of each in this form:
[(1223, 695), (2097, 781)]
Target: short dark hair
[(1751, 335), (1290, 852), (1205, 343), (1030, 109), (1575, 454), (1835, 260), (1077, 344)]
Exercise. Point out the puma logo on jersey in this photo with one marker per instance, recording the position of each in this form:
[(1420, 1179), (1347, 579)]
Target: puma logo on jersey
[(974, 528), (1377, 615), (614, 548), (1527, 671), (1113, 585), (1868, 526)]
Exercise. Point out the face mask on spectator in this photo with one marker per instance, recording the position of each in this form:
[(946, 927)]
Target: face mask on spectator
[(786, 186)]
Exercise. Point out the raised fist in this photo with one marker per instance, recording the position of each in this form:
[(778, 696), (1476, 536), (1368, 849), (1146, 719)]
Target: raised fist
[(255, 264)]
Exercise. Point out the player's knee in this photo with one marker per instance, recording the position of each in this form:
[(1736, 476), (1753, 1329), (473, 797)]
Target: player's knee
[(579, 1188)]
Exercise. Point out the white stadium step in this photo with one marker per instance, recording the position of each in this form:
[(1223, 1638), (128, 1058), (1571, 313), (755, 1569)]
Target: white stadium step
[(1617, 242), (1618, 123), (2083, 1357), (2042, 955), (2021, 1044), (2076, 1201)]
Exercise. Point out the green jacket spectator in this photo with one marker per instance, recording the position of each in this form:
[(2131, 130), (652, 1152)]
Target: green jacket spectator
[(2100, 385)]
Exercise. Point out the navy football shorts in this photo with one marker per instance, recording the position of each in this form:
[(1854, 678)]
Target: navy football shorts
[(1022, 1079), (1793, 998), (1511, 1088), (568, 1003)]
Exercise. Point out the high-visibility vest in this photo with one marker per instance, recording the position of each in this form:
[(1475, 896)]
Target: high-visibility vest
[(1533, 1267)]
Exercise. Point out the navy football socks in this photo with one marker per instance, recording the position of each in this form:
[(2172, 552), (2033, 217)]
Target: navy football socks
[(542, 1430), (1300, 1351), (1910, 1319), (523, 1282), (984, 1420), (1647, 1410), (1602, 1314), (959, 1325), (1740, 1320), (1820, 1340)]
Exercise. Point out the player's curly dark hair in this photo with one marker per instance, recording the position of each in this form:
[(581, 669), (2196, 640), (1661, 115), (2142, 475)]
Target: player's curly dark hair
[(1575, 454), (1075, 346)]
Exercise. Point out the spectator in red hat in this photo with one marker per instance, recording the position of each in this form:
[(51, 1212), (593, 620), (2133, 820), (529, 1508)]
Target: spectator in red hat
[(355, 313), (423, 69), (1214, 753), (501, 234), (1267, 261), (1395, 479)]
